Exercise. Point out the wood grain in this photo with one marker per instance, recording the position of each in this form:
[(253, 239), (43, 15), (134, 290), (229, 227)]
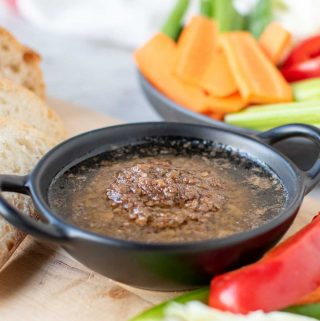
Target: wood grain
[(42, 282)]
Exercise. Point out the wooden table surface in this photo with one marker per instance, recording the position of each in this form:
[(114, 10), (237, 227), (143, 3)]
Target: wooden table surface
[(42, 282)]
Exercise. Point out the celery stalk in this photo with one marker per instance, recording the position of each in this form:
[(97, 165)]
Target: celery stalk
[(280, 5), (260, 17), (213, 9), (172, 26), (306, 90), (283, 106), (310, 310), (227, 16), (261, 118), (206, 8), (157, 313)]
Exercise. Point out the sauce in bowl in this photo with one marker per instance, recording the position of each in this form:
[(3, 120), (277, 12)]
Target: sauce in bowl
[(168, 190)]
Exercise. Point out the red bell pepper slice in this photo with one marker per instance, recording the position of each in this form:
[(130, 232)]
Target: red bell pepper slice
[(305, 50), (303, 70), (279, 279)]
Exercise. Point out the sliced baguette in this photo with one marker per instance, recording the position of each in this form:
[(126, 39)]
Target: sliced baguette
[(21, 146), (20, 64), (19, 103)]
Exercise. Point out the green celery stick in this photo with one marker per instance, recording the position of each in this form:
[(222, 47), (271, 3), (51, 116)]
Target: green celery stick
[(157, 313), (306, 90), (267, 117), (268, 120), (280, 5), (309, 310), (172, 26), (213, 9), (206, 8), (283, 106), (260, 17), (227, 17)]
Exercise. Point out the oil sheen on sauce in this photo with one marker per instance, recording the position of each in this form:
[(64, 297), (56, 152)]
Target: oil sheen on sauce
[(176, 190)]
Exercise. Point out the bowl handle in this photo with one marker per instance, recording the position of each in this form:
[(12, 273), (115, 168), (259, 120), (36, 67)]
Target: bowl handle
[(46, 231), (312, 176)]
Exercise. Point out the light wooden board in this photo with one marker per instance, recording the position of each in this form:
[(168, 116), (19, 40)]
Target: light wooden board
[(79, 119), (42, 282)]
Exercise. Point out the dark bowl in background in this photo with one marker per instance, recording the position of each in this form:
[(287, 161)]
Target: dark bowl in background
[(294, 148)]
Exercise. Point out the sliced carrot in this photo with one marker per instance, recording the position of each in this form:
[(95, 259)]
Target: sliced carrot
[(218, 79), (200, 61), (155, 61), (258, 80), (215, 116), (196, 45), (226, 105), (275, 42), (313, 297)]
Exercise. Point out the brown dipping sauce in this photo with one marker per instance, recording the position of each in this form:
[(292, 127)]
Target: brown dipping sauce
[(173, 190)]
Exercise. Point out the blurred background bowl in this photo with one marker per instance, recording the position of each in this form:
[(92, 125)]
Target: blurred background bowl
[(295, 148), (171, 111)]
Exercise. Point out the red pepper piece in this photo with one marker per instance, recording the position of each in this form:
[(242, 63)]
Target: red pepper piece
[(305, 50), (303, 70), (279, 279)]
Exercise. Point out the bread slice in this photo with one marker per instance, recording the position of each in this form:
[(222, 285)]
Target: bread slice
[(19, 103), (20, 64), (21, 146)]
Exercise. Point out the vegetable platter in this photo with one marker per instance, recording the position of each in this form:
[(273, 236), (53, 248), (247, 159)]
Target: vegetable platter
[(223, 66), (283, 285)]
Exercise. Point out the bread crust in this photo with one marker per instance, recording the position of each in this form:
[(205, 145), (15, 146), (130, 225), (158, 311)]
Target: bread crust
[(21, 147), (28, 127), (20, 104), (20, 64)]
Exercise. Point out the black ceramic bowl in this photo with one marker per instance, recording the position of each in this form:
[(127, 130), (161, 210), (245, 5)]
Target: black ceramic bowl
[(171, 111), (160, 266)]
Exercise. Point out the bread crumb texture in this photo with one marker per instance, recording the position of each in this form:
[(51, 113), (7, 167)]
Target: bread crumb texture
[(20, 104), (20, 64), (21, 147)]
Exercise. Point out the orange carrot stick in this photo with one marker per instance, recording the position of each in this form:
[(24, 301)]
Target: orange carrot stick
[(196, 45), (275, 41), (215, 116), (258, 80), (200, 62), (155, 61), (226, 105), (218, 79)]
